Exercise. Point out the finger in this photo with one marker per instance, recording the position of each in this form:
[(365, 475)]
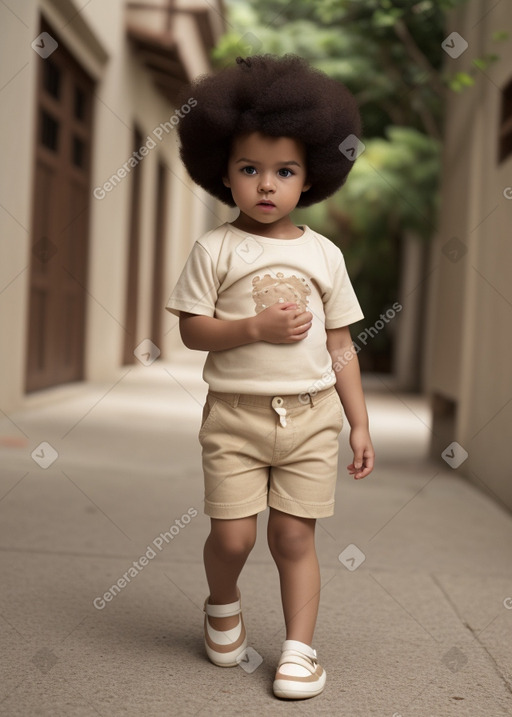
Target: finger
[(300, 320), (305, 316), (362, 473), (352, 471), (364, 470), (286, 306), (298, 337), (302, 327), (358, 461), (369, 461), (300, 333)]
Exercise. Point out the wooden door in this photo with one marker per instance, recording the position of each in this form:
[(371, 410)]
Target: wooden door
[(157, 308), (60, 221), (132, 278)]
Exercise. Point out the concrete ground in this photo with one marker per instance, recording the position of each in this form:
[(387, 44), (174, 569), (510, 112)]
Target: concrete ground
[(415, 618)]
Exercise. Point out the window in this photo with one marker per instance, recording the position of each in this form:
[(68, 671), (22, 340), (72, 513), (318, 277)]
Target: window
[(51, 79), (79, 104), (78, 152), (49, 131), (505, 135)]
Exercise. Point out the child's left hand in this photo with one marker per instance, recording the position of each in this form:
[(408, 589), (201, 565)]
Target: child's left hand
[(364, 455)]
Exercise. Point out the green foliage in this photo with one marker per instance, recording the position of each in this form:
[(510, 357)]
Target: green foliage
[(388, 52), (393, 184), (460, 81), (391, 190)]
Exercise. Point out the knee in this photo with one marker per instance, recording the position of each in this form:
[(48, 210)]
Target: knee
[(232, 547), (290, 544)]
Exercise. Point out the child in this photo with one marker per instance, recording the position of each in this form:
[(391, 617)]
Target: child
[(271, 302)]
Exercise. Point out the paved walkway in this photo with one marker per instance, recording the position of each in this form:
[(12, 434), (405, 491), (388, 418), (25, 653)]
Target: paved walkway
[(422, 626)]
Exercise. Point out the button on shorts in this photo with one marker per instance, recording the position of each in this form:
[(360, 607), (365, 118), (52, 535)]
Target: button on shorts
[(257, 455)]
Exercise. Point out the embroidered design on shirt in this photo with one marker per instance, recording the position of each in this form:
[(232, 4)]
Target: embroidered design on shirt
[(269, 290)]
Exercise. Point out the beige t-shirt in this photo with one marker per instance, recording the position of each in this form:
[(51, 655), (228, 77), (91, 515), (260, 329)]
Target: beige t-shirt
[(234, 275)]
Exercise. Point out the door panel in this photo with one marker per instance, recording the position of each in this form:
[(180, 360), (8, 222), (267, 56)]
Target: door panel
[(60, 221), (157, 308), (132, 278)]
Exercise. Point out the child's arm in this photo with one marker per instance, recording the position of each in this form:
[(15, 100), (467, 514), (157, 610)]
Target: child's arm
[(350, 391), (279, 324)]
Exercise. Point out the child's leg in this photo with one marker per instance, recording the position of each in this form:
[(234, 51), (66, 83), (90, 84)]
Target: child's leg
[(225, 552), (292, 543)]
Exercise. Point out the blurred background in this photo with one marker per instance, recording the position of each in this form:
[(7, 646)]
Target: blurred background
[(97, 214)]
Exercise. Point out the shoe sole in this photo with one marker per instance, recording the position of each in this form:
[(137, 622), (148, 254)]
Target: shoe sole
[(286, 692)]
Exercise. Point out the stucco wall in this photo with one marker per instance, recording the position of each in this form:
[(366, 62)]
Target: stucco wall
[(470, 328), (125, 96)]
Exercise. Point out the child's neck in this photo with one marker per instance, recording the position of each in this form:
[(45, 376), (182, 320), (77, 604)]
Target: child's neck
[(283, 228)]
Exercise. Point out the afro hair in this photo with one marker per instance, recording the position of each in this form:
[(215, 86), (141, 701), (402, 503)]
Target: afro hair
[(279, 97)]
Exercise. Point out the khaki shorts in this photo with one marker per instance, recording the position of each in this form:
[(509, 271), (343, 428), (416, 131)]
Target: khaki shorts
[(251, 460)]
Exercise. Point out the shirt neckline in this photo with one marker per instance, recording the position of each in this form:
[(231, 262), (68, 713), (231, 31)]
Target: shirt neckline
[(273, 240)]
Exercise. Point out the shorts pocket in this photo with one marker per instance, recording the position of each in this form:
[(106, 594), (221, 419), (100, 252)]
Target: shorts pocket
[(335, 399), (209, 411)]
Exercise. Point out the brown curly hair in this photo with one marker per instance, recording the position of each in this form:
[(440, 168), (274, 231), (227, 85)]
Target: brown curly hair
[(277, 96)]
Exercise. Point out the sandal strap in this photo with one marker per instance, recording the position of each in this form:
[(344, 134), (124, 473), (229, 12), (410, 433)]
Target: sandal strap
[(229, 610), (294, 657)]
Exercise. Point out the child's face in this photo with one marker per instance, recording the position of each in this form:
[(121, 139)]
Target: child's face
[(266, 175)]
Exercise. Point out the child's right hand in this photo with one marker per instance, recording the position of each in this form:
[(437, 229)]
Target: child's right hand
[(282, 324)]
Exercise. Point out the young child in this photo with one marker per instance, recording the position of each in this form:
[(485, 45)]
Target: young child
[(271, 302)]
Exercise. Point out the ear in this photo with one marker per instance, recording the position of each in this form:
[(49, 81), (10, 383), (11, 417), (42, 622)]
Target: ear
[(306, 186), (226, 182)]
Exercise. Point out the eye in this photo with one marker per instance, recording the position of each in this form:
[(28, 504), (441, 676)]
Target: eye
[(249, 170), (285, 172)]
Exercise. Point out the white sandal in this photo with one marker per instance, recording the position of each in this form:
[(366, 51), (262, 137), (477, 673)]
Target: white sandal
[(223, 647), (302, 676)]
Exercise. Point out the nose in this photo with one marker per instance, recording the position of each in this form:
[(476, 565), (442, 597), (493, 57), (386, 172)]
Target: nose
[(266, 183)]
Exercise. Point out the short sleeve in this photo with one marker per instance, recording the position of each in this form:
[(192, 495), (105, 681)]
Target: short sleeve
[(340, 304), (196, 289)]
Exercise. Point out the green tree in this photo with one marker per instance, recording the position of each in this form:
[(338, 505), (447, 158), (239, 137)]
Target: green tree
[(389, 53)]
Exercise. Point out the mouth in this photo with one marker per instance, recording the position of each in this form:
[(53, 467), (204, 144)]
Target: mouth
[(266, 203)]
